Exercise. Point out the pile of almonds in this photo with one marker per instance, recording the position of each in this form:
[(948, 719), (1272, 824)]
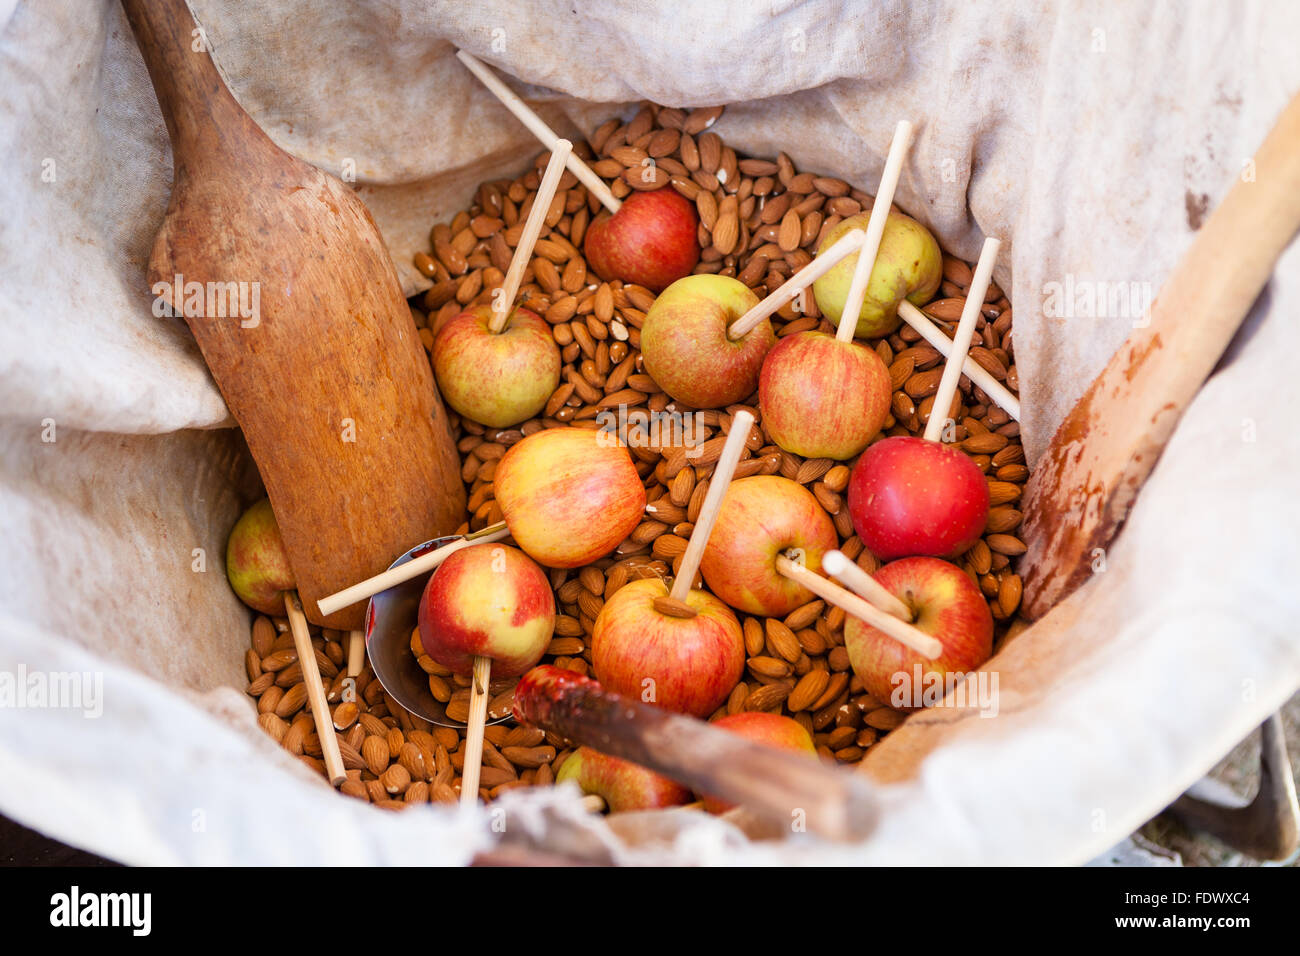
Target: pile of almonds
[(760, 220)]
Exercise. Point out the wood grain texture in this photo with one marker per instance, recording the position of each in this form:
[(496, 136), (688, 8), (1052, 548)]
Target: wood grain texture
[(329, 381), (1082, 488)]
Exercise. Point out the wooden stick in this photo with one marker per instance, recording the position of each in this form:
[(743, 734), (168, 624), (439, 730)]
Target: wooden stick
[(837, 564), (586, 175), (722, 472), (320, 708), (368, 588), (970, 314), (977, 373), (875, 230), (784, 788), (356, 652), (796, 283), (504, 300), (907, 635), (474, 726), (594, 803)]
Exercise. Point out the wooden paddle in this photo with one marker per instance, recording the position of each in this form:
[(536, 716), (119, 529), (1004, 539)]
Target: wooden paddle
[(1081, 490), (318, 360)]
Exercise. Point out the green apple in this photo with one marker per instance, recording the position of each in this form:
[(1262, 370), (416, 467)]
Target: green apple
[(621, 784), (908, 265), (256, 564)]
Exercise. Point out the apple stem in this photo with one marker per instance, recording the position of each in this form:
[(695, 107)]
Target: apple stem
[(907, 635), (979, 285), (586, 175), (792, 286), (741, 424), (875, 230), (504, 299), (837, 565), (474, 726), (320, 708), (363, 590), (974, 371), (356, 652)]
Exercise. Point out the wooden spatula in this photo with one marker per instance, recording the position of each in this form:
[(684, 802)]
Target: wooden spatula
[(1082, 488), (322, 368)]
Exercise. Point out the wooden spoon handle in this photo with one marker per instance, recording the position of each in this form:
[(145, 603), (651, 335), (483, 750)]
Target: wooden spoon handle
[(194, 99)]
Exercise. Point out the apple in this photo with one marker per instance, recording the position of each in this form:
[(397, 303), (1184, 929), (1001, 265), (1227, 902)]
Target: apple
[(569, 495), (908, 496), (487, 600), (771, 729), (684, 664), (908, 265), (762, 517), (945, 604), (652, 240), (823, 398), (623, 785), (496, 379), (686, 349), (256, 563)]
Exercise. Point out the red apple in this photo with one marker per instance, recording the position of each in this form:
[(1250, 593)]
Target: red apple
[(487, 600), (569, 495), (685, 346), (621, 784), (651, 241), (945, 604), (822, 398), (256, 564), (761, 517), (497, 379), (908, 496), (771, 729), (685, 664)]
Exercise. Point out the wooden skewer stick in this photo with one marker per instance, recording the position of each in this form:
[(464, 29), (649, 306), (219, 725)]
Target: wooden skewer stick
[(795, 284), (356, 652), (504, 299), (974, 371), (837, 565), (586, 175), (778, 785), (979, 284), (594, 803), (875, 230), (368, 588), (320, 708), (478, 707), (907, 635), (741, 425)]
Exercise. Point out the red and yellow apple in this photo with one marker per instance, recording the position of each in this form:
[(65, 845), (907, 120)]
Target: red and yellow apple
[(763, 728), (487, 600), (908, 265), (823, 398), (684, 664), (908, 496), (256, 563), (569, 495), (761, 517), (621, 784), (496, 379), (652, 240), (685, 345), (945, 604)]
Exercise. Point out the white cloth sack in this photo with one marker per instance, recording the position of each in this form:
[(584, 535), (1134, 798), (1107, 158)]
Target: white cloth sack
[(1090, 137)]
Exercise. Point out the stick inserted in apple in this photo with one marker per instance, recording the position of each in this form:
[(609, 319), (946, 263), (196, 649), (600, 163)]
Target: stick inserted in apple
[(681, 649), (916, 496), (651, 238), (487, 607), (826, 396), (257, 567), (498, 365)]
